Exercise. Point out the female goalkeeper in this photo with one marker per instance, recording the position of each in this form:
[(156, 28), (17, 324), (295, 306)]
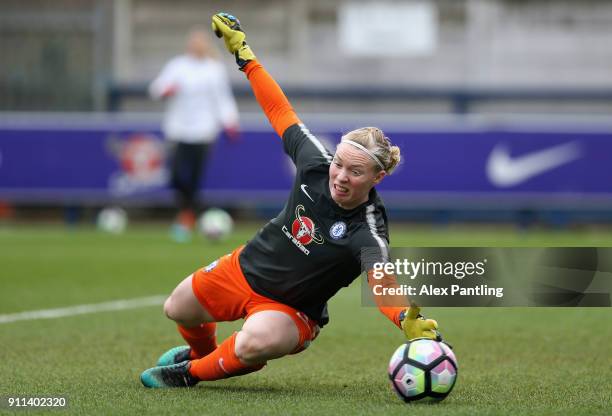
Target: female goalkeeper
[(281, 280)]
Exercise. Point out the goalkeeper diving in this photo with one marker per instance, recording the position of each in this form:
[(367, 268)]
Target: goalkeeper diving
[(333, 227)]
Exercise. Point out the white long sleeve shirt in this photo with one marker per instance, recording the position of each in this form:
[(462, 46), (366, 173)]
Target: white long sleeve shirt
[(202, 103)]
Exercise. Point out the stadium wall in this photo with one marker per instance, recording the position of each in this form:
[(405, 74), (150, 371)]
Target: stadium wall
[(477, 42), (60, 55)]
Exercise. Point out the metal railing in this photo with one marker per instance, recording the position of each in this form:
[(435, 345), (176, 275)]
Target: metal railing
[(461, 100)]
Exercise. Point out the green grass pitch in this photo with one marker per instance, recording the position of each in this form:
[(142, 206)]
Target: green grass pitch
[(512, 361)]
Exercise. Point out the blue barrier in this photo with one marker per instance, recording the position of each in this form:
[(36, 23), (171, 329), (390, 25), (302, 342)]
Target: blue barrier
[(449, 167)]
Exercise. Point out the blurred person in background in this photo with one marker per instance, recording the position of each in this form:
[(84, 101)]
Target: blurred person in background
[(199, 104)]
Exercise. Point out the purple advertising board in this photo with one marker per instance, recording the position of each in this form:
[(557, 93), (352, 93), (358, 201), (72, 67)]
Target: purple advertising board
[(446, 166)]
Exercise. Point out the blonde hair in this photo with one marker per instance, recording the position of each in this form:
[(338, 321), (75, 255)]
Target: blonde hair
[(373, 139)]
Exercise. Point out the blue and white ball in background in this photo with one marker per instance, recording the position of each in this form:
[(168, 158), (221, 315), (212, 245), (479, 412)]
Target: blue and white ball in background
[(112, 220), (216, 224)]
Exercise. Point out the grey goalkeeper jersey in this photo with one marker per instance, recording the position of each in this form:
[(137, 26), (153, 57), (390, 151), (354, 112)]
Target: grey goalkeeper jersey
[(313, 247)]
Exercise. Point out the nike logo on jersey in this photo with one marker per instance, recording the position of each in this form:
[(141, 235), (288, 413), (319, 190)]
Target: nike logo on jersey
[(303, 188), (504, 171)]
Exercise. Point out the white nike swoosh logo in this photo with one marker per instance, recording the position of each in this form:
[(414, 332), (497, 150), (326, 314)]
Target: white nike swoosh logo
[(303, 187), (504, 171), (222, 366)]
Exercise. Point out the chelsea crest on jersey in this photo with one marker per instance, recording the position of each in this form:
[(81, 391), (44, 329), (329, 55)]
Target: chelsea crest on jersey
[(313, 247)]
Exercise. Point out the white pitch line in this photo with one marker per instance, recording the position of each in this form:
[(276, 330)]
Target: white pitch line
[(115, 305)]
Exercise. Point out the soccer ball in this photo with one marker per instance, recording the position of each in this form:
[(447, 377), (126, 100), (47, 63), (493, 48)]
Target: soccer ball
[(423, 369), (112, 220), (216, 224)]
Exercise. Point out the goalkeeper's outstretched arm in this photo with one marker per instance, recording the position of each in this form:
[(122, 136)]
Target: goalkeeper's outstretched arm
[(394, 307), (268, 93)]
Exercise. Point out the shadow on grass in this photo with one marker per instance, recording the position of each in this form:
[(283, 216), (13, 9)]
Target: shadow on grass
[(350, 393), (245, 389)]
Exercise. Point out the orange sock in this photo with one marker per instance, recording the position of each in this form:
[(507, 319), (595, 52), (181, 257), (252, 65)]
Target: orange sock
[(187, 218), (202, 339), (221, 363)]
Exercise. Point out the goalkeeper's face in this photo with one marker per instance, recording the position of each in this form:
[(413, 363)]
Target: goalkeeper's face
[(352, 175)]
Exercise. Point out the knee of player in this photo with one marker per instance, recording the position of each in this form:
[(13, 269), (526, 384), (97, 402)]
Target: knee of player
[(255, 347), (170, 308), (250, 346)]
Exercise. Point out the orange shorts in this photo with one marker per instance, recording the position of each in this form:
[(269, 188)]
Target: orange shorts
[(224, 292)]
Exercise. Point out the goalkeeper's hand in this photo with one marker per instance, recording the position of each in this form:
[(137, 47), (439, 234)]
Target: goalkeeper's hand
[(416, 326), (228, 27)]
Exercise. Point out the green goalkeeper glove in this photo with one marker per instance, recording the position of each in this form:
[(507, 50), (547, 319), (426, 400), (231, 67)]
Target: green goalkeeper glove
[(416, 326), (228, 27)]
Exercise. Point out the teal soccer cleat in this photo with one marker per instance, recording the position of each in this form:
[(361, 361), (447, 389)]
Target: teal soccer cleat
[(176, 375), (174, 356)]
